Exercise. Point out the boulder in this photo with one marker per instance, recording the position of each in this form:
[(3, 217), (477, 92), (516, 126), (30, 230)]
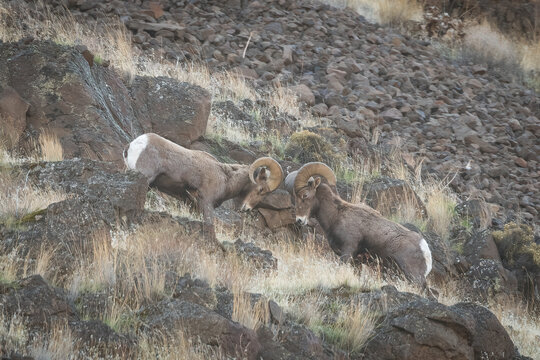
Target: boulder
[(261, 259), (87, 108), (480, 245), (477, 212), (488, 279), (277, 200), (174, 110), (201, 324), (98, 197), (13, 110), (304, 94), (389, 196), (39, 305), (278, 218), (99, 183), (43, 308), (423, 329)]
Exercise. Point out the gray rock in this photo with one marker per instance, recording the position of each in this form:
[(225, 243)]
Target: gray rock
[(176, 111), (428, 330)]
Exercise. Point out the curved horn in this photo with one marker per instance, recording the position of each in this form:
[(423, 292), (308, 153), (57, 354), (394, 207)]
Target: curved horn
[(276, 173), (311, 169), (289, 181)]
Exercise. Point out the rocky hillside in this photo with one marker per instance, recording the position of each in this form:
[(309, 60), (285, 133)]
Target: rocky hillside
[(473, 126), (93, 265)]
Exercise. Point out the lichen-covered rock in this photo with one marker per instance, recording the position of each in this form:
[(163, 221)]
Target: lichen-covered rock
[(261, 259), (99, 197), (174, 110), (43, 308), (89, 108), (428, 330), (199, 322)]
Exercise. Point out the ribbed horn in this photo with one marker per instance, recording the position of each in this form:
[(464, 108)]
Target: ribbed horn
[(312, 169), (289, 181), (276, 173)]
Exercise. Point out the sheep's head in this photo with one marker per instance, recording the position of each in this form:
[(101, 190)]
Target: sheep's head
[(305, 187), (265, 174)]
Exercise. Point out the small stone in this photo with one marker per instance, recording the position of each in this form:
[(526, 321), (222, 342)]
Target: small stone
[(287, 54), (479, 70), (520, 162), (304, 94), (276, 313), (515, 124), (392, 114)]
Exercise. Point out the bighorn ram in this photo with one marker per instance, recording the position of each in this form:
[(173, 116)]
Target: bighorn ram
[(185, 173), (352, 229)]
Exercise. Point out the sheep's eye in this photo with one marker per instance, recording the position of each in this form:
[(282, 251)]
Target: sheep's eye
[(304, 196), (260, 191)]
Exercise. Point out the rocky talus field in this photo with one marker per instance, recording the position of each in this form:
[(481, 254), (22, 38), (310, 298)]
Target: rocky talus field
[(94, 264)]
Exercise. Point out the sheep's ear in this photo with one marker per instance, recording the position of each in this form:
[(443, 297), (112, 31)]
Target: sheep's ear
[(263, 175), (317, 182)]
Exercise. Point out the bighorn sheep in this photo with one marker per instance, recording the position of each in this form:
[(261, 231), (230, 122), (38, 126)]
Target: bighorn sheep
[(185, 173), (352, 229)]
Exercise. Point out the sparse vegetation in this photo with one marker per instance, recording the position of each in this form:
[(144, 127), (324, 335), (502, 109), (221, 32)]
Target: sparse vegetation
[(130, 265), (390, 12), (351, 329), (516, 243), (21, 201), (306, 146), (50, 147)]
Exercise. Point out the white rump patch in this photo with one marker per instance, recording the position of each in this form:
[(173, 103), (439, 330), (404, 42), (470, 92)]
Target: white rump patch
[(135, 149), (427, 255)]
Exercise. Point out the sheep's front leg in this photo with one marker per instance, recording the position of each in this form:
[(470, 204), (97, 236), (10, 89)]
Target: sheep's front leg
[(209, 232)]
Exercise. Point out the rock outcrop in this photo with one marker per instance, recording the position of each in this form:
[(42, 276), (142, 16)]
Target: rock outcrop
[(94, 113)]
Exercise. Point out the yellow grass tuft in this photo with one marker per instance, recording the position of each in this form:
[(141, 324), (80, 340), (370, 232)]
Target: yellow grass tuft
[(523, 327), (13, 334), (21, 201), (440, 209), (531, 54), (284, 100), (490, 45), (50, 147), (178, 347), (57, 345), (390, 12), (251, 316), (396, 12)]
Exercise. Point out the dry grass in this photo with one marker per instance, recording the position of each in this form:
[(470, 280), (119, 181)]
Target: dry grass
[(57, 345), (486, 44), (21, 201), (50, 147), (13, 335), (252, 316), (178, 347), (223, 128), (523, 327), (440, 209), (311, 267), (390, 12), (284, 100), (347, 326), (233, 86), (395, 12), (160, 202)]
